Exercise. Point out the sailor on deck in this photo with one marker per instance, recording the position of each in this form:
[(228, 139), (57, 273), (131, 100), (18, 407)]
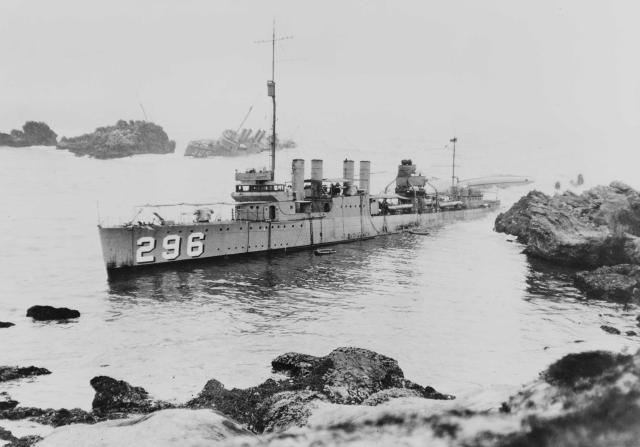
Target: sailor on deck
[(203, 215)]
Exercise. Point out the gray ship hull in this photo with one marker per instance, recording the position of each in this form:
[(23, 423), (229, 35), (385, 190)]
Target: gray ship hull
[(135, 246)]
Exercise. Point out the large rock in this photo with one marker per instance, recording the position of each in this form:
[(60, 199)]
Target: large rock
[(18, 372), (585, 399), (176, 427), (599, 227), (32, 134), (124, 139), (45, 313), (619, 283), (345, 376), (117, 396)]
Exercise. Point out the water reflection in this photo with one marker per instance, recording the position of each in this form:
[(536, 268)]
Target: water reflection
[(266, 275), (552, 281)]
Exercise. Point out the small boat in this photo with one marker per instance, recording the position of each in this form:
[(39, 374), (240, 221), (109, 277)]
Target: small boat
[(420, 232), (323, 251)]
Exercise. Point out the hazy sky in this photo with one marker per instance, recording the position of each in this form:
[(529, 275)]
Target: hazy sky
[(549, 73)]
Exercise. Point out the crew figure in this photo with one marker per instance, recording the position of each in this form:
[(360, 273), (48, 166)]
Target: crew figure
[(203, 215)]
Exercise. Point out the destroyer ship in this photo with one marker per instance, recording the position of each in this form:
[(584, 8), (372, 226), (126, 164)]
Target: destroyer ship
[(311, 212), (305, 213)]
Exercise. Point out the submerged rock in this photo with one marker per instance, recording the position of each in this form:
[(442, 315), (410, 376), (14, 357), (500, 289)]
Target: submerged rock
[(124, 139), (610, 329), (113, 396), (619, 283), (44, 313), (599, 227), (5, 324), (33, 133), (18, 372), (345, 376), (176, 427)]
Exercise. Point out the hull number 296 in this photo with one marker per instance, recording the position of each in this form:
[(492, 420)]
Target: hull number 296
[(171, 245)]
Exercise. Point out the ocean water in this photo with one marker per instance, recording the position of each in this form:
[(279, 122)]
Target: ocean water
[(462, 310)]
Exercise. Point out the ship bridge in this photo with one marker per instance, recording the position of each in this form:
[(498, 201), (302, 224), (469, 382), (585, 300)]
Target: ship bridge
[(316, 197)]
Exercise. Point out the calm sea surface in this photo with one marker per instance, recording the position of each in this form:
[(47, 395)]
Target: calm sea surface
[(462, 309)]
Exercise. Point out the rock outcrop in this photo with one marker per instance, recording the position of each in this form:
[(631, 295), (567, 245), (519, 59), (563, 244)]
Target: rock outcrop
[(18, 372), (33, 133), (117, 396), (6, 403), (346, 376), (124, 139), (599, 227), (45, 313), (590, 398), (619, 283), (6, 324)]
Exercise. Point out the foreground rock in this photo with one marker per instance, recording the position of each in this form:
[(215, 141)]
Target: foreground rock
[(599, 227), (6, 324), (32, 134), (117, 396), (17, 372), (124, 139), (45, 313), (345, 376), (619, 283), (585, 399)]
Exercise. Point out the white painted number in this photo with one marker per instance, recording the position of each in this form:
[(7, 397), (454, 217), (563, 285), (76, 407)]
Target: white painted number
[(171, 244), (145, 245), (195, 247)]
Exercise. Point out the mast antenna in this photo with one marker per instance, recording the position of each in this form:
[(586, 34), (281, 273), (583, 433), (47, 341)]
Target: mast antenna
[(271, 91), (454, 140)]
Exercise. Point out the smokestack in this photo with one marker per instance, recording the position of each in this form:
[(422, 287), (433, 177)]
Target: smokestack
[(297, 178), (348, 169), (316, 178), (365, 175), (316, 170)]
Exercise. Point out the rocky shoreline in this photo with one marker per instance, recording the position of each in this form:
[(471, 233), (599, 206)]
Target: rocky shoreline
[(354, 396), (598, 230)]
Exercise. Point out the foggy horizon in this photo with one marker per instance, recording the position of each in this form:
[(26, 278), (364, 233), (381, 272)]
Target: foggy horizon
[(556, 75)]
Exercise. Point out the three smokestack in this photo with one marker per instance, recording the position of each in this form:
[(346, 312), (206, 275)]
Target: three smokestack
[(348, 174)]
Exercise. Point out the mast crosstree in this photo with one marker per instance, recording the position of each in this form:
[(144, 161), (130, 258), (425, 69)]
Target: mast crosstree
[(271, 91)]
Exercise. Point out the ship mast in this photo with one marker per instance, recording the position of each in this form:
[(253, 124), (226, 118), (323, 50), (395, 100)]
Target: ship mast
[(454, 140), (271, 91)]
